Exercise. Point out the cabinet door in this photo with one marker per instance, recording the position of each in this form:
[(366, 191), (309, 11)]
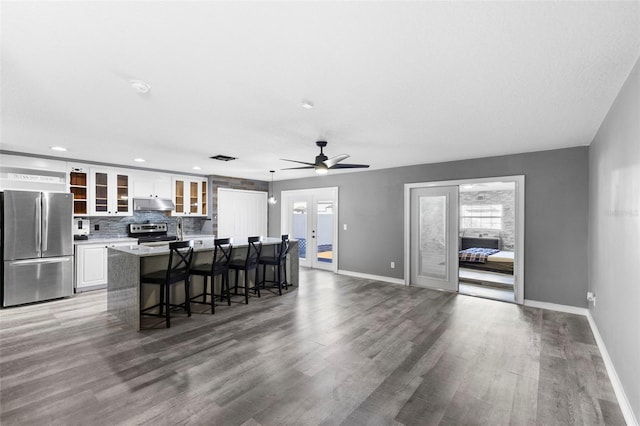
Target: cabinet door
[(162, 186), (203, 198), (79, 187), (142, 186), (100, 192), (194, 197), (121, 203), (152, 185), (91, 265), (110, 193), (179, 189)]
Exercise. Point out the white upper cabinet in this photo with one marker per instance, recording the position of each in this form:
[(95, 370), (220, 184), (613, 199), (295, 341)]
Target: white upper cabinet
[(148, 184), (190, 196), (110, 193)]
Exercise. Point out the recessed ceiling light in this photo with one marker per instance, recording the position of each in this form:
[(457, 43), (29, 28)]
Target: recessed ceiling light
[(196, 168), (58, 148), (139, 160), (307, 104), (140, 86)]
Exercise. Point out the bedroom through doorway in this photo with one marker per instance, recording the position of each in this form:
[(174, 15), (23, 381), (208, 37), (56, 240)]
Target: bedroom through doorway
[(487, 240), (445, 219)]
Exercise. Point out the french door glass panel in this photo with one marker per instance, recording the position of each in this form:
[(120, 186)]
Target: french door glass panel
[(310, 216), (299, 227), (324, 232), (434, 237)]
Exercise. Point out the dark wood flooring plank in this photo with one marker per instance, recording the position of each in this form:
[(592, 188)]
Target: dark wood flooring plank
[(336, 350)]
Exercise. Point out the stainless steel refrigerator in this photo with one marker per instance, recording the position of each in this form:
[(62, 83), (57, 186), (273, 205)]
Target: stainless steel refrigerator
[(37, 246)]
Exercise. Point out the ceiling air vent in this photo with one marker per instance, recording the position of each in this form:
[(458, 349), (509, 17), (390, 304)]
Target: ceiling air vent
[(223, 158)]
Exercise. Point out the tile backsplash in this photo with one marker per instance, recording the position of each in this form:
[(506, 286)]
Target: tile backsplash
[(117, 226)]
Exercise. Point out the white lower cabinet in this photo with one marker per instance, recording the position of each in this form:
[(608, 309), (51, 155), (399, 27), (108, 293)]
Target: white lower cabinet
[(91, 265)]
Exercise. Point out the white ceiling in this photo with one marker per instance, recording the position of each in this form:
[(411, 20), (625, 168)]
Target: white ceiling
[(393, 83)]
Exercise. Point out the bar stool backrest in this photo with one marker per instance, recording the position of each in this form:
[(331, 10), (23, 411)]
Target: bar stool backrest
[(180, 257), (221, 255), (284, 248), (253, 252)]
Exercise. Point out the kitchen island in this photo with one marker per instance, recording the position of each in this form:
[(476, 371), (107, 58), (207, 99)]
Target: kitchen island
[(127, 263)]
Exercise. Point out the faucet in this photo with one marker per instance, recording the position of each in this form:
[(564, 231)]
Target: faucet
[(180, 228)]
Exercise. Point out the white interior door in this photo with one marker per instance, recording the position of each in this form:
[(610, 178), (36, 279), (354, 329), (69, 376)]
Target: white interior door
[(434, 237), (241, 214), (310, 216)]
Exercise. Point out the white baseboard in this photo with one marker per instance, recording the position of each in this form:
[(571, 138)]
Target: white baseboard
[(621, 396), (623, 401), (556, 307), (371, 277)]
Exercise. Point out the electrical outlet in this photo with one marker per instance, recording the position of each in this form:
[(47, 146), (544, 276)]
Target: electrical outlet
[(591, 297), (393, 265), (96, 227), (344, 226)]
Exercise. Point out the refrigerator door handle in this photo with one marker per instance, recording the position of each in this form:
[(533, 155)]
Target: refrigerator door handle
[(41, 260), (45, 223), (38, 226)]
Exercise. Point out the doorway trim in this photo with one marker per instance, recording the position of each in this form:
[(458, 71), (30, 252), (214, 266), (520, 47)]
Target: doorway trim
[(519, 214), (284, 219)]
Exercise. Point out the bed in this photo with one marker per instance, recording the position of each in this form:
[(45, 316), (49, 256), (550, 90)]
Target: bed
[(494, 260)]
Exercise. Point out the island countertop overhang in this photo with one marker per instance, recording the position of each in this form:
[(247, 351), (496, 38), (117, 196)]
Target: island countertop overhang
[(199, 245)]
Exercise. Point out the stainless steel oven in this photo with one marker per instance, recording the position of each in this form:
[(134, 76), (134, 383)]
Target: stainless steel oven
[(151, 234)]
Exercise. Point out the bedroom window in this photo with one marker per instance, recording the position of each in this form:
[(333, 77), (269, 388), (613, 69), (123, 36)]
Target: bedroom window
[(486, 216)]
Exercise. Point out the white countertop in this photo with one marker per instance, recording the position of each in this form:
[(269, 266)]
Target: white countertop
[(199, 245), (106, 240)]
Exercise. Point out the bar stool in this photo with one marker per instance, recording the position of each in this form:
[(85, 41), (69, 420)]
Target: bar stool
[(279, 262), (219, 266), (254, 248), (180, 257)]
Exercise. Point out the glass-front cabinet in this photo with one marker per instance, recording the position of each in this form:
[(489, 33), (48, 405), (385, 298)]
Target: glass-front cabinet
[(110, 193), (189, 196), (78, 186)]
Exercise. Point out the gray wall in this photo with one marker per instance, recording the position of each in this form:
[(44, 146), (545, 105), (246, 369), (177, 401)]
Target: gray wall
[(372, 204), (614, 232)]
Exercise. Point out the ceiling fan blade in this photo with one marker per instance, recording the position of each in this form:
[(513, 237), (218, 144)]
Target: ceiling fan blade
[(296, 168), (296, 161), (350, 166), (335, 160)]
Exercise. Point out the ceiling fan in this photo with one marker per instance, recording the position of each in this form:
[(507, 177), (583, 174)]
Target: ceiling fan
[(323, 163)]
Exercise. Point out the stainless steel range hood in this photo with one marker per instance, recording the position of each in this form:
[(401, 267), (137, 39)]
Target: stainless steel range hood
[(153, 204)]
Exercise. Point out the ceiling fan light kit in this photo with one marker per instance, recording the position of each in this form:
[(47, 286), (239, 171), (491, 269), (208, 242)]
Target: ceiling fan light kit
[(323, 164)]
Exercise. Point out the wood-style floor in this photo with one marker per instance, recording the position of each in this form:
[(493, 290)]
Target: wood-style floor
[(337, 350)]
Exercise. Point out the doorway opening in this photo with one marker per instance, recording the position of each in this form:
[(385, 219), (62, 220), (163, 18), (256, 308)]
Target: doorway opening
[(467, 236), (487, 235), (310, 216)]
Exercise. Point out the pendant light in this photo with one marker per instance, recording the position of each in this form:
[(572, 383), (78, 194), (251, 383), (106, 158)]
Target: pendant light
[(272, 199)]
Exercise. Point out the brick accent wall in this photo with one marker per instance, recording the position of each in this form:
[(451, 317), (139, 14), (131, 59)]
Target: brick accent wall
[(504, 197)]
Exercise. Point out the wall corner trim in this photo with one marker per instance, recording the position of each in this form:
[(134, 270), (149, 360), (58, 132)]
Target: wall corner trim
[(371, 277), (621, 396)]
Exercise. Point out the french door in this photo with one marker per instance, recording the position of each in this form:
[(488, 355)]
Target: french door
[(310, 216), (434, 237)]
